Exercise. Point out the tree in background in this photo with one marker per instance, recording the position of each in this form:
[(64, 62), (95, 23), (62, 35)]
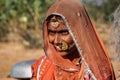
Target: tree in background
[(115, 42), (115, 34)]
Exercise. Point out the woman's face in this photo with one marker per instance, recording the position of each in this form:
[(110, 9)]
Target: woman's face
[(60, 38)]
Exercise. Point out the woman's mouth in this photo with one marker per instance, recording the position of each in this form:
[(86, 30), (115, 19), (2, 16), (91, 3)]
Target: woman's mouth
[(58, 48), (63, 46)]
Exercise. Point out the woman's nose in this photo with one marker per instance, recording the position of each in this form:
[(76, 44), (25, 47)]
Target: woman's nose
[(57, 39)]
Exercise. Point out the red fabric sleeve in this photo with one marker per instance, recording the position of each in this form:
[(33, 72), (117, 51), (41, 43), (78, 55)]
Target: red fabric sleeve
[(34, 67)]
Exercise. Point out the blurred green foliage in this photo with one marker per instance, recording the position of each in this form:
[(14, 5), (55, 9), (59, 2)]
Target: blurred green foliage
[(24, 17), (108, 8), (101, 11)]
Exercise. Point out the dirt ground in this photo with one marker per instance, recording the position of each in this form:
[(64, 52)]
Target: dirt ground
[(11, 53)]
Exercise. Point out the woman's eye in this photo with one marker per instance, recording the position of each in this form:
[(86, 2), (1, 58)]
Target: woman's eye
[(65, 33), (51, 33)]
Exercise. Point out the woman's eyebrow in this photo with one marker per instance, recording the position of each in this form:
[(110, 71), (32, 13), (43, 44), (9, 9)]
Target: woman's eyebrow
[(51, 30), (63, 31), (60, 31)]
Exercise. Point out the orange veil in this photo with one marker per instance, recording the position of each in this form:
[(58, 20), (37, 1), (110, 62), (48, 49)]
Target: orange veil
[(86, 39)]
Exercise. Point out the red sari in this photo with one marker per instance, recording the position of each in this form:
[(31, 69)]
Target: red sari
[(43, 69)]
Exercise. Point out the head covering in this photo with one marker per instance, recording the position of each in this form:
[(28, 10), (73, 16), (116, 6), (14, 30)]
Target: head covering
[(85, 37)]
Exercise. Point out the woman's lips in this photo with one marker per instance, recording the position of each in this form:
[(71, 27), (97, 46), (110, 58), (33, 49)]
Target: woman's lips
[(58, 48)]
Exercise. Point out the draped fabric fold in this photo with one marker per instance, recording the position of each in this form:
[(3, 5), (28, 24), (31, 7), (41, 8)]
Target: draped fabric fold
[(86, 39)]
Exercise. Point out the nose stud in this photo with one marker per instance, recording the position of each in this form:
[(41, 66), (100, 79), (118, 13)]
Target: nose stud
[(64, 45)]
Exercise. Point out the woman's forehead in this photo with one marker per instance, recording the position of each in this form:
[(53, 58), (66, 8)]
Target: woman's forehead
[(59, 27), (55, 22)]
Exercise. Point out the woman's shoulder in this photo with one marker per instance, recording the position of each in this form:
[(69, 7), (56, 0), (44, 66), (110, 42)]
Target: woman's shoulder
[(36, 64), (38, 61)]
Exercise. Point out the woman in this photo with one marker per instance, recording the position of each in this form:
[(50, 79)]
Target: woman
[(73, 48)]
